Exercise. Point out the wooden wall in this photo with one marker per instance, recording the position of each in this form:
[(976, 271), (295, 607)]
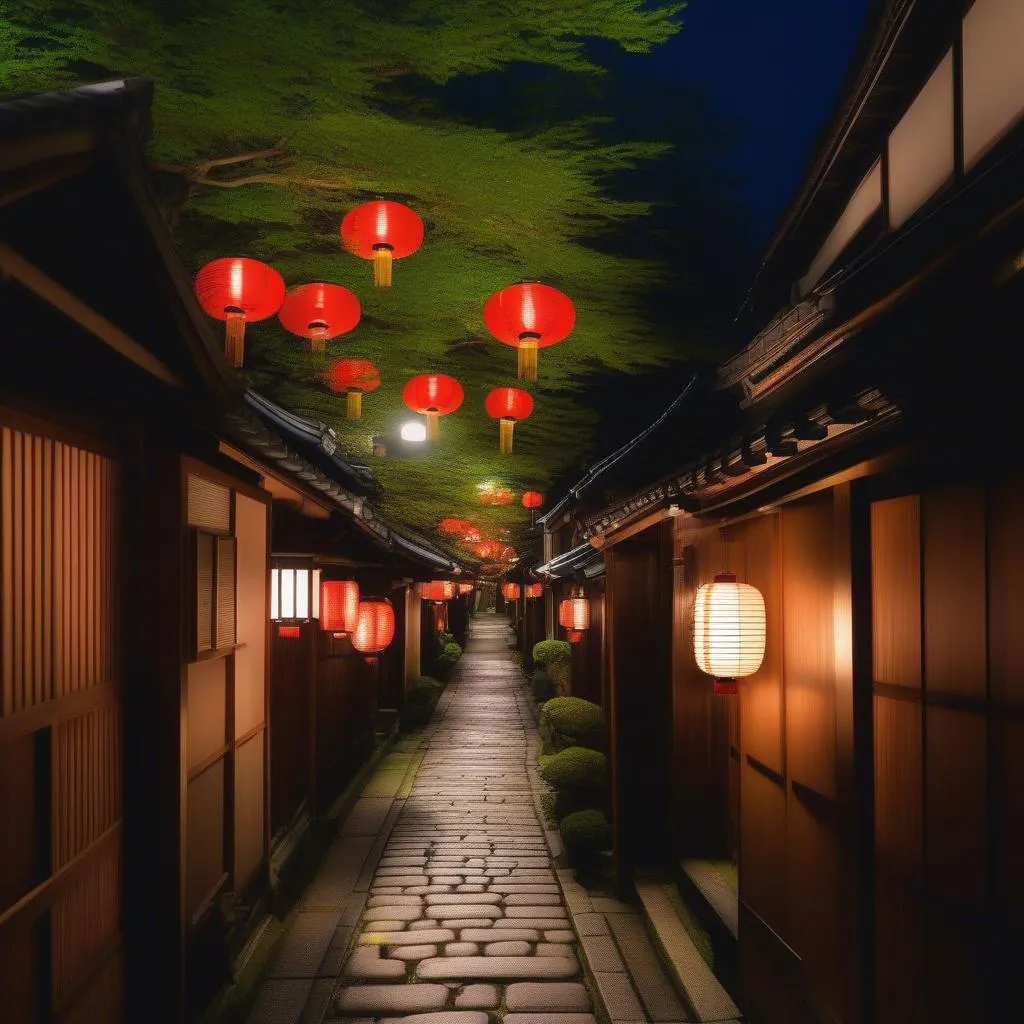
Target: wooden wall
[(61, 878)]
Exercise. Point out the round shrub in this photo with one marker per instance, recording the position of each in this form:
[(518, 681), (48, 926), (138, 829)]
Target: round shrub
[(551, 652), (420, 701), (585, 834), (571, 722), (541, 686), (569, 801), (451, 652), (577, 769)]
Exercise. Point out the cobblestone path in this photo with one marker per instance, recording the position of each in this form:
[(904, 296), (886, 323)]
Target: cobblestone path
[(465, 916)]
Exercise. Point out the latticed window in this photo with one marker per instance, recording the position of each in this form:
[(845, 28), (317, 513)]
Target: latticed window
[(294, 594)]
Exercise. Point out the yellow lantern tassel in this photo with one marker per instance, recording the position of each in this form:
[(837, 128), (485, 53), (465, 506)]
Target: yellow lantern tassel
[(234, 339), (432, 423), (382, 260), (354, 405), (318, 339), (506, 427), (528, 360)]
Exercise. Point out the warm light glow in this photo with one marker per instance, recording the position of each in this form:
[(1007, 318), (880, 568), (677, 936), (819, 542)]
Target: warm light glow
[(574, 614), (534, 590), (436, 590), (574, 636), (728, 628), (466, 588), (376, 626), (510, 591), (414, 430), (339, 606), (289, 632)]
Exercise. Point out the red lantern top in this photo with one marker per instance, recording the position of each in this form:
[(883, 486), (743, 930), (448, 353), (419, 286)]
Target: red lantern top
[(508, 404), (236, 284), (381, 224), (529, 312), (339, 606), (353, 375), (319, 310), (533, 499), (376, 626), (433, 392), (437, 590)]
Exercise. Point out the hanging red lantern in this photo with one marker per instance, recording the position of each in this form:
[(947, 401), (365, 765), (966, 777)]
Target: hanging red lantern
[(507, 553), (433, 395), (534, 590), (353, 378), (529, 317), (319, 312), (375, 628), (574, 614), (382, 231), (339, 606), (238, 290), (466, 588), (574, 636), (510, 591), (533, 499), (455, 527), (436, 590), (508, 406), (488, 549)]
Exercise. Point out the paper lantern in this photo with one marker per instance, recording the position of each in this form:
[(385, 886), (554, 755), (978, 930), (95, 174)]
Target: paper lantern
[(436, 590), (510, 591), (375, 628), (433, 395), (353, 378), (466, 588), (238, 291), (381, 231), (534, 590), (728, 630), (457, 527), (339, 606), (319, 312), (533, 499), (574, 636), (529, 317), (497, 496), (508, 406), (574, 614)]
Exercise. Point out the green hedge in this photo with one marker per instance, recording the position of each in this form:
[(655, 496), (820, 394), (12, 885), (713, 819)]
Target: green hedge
[(552, 652), (541, 686), (576, 769), (585, 834), (571, 722), (420, 701)]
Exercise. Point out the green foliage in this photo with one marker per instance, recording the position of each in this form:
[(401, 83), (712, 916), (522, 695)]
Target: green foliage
[(576, 768), (333, 103), (569, 801), (552, 652), (452, 652), (420, 701), (444, 639), (541, 686), (585, 834), (571, 721)]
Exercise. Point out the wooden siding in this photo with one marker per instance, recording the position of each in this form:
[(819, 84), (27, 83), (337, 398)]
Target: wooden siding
[(292, 712)]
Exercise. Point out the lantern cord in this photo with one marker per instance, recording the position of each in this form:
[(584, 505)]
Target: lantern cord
[(354, 404), (234, 339), (528, 360), (318, 339), (506, 428), (432, 424), (382, 260)]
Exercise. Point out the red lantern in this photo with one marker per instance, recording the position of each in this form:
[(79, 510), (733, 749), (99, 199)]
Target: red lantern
[(507, 553), (339, 606), (433, 395), (574, 636), (238, 290), (534, 590), (574, 614), (319, 312), (488, 549), (289, 632), (375, 628), (508, 405), (466, 588), (457, 527), (510, 591), (533, 499), (354, 378), (381, 231), (437, 590), (529, 317)]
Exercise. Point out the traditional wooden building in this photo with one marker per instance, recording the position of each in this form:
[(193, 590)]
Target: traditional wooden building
[(147, 502), (864, 779)]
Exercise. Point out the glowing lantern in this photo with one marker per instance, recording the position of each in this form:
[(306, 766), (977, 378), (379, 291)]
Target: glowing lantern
[(375, 628), (574, 614), (728, 630), (433, 395), (238, 290), (381, 231), (574, 636), (498, 496), (456, 527), (353, 378), (507, 553), (488, 549), (529, 317), (534, 590), (319, 312), (466, 588), (437, 590), (339, 606), (510, 591), (508, 405), (533, 499)]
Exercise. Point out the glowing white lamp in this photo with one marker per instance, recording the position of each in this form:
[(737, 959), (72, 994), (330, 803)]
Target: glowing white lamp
[(728, 630), (414, 430)]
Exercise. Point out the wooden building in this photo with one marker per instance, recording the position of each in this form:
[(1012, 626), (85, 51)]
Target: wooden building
[(146, 499), (864, 779)]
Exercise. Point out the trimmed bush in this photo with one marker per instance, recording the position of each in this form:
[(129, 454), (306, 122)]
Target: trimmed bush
[(420, 701), (541, 686), (571, 722), (569, 801), (585, 834), (555, 657), (576, 769)]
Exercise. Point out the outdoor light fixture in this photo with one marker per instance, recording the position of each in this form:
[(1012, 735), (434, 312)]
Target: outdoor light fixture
[(510, 591), (294, 595), (339, 607), (414, 431), (534, 590), (574, 636), (728, 630), (375, 627), (436, 590), (574, 614)]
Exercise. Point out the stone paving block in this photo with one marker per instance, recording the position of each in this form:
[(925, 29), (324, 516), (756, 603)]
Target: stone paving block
[(435, 899), (590, 924), (535, 911), (366, 816), (384, 925), (646, 969), (461, 949), (457, 968), (540, 923), (454, 910), (407, 938), (564, 996), (395, 900), (559, 935), (366, 964), (281, 1001), (391, 999), (477, 997), (549, 1018), (305, 945), (410, 952), (514, 947), (399, 911), (317, 1001), (553, 948), (602, 953), (536, 899), (467, 922), (446, 1017), (618, 996), (427, 924)]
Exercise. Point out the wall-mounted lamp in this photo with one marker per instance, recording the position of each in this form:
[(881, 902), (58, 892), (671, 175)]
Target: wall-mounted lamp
[(728, 630)]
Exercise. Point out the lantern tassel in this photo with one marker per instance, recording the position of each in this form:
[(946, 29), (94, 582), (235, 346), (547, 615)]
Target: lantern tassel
[(528, 360), (382, 260), (726, 687), (433, 419), (354, 404), (318, 339), (506, 426), (234, 339)]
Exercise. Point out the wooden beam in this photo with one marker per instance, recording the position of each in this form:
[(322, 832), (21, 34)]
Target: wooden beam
[(25, 273), (27, 181), (613, 536)]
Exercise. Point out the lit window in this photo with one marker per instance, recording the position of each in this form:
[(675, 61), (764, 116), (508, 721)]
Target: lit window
[(294, 595)]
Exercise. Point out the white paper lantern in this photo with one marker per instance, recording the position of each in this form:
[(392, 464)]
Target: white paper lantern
[(728, 630)]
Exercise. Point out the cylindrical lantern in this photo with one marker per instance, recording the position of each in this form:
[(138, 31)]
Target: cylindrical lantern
[(529, 317), (466, 588), (381, 231), (436, 590), (728, 630), (339, 606), (238, 290), (534, 590), (533, 499), (508, 406), (456, 527), (353, 378), (433, 395), (574, 636), (319, 312), (510, 591), (574, 614), (375, 628)]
